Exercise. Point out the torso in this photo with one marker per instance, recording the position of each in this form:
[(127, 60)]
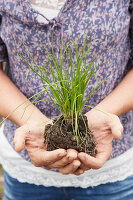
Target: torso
[(110, 24)]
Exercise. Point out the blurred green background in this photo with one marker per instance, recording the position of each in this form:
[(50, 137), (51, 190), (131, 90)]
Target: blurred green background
[(1, 183)]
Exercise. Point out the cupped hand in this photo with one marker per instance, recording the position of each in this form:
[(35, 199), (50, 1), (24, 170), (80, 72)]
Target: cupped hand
[(104, 127), (31, 137)]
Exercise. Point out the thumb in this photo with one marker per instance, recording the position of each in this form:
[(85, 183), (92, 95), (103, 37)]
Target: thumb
[(116, 128), (19, 139)]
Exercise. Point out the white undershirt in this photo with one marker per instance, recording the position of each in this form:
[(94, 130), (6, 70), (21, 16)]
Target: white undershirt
[(48, 8), (116, 169)]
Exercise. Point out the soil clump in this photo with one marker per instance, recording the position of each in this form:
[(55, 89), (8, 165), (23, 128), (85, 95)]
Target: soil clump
[(61, 135)]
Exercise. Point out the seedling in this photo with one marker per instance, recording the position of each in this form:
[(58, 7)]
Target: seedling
[(65, 80)]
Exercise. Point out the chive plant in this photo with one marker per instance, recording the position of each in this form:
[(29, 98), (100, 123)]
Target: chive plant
[(67, 88)]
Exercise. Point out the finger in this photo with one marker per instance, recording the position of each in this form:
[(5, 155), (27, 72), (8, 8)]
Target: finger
[(72, 154), (116, 128), (88, 162), (94, 162), (46, 158), (19, 139), (60, 163), (70, 168)]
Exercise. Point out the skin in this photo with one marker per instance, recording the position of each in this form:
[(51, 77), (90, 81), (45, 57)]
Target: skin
[(104, 128), (29, 135)]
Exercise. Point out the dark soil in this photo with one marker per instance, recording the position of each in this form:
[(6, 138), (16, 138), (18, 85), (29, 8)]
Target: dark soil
[(60, 135)]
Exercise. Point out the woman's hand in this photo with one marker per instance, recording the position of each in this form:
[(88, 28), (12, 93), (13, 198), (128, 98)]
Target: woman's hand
[(105, 127), (30, 136)]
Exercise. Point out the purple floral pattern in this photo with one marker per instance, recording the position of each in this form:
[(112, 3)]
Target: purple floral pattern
[(109, 21)]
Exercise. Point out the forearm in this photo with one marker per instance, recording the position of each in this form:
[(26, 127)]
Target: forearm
[(120, 100), (11, 98)]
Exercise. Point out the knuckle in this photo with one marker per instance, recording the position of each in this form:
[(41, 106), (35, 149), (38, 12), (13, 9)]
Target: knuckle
[(59, 156), (65, 160)]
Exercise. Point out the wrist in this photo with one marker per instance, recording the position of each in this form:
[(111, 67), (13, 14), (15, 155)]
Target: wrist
[(101, 110), (38, 118), (110, 106), (28, 114), (34, 116)]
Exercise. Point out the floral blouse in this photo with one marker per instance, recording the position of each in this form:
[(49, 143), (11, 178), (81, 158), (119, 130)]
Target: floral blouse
[(110, 25)]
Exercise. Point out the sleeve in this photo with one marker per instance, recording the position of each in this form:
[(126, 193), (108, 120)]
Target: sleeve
[(3, 50)]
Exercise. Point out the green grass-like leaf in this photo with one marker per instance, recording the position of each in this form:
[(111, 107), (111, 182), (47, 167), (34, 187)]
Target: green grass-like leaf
[(67, 88)]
